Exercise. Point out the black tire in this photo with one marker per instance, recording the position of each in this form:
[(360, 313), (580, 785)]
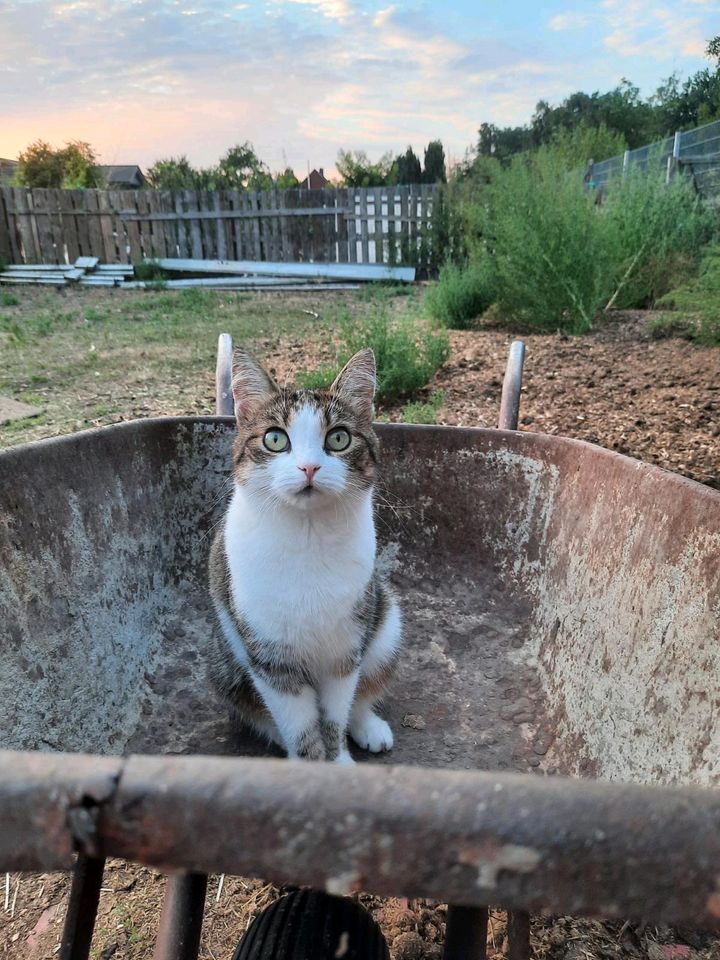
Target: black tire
[(313, 925)]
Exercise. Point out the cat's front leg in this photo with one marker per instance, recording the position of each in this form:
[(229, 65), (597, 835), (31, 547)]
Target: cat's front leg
[(294, 708), (336, 699)]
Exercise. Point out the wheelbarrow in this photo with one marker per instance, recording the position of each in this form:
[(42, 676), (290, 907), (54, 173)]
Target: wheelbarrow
[(557, 748)]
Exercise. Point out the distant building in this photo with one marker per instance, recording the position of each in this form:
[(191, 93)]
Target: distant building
[(127, 177), (316, 181), (7, 171)]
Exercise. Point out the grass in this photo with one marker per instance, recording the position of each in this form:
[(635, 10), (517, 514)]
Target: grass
[(8, 299), (695, 304), (98, 356)]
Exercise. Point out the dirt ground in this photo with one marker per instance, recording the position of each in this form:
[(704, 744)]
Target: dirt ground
[(657, 400)]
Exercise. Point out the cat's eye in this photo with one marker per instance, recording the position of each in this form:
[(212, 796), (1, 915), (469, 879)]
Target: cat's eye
[(338, 439), (276, 441)]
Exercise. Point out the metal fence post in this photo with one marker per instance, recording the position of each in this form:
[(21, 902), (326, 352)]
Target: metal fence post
[(673, 162)]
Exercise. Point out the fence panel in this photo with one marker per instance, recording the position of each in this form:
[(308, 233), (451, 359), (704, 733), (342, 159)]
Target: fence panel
[(356, 225)]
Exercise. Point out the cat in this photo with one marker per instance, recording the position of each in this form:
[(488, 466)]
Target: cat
[(309, 632)]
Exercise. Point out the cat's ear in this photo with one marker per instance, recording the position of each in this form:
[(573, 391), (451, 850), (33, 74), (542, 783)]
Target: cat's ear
[(252, 386), (356, 382)]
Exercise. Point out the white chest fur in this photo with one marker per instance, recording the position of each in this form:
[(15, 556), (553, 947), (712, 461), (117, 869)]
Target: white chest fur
[(295, 576)]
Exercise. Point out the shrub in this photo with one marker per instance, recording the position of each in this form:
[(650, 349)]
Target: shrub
[(461, 294), (559, 259), (426, 412), (407, 356), (697, 303), (541, 229), (654, 234)]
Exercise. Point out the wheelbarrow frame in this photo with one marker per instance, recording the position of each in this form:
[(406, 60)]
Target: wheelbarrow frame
[(466, 838)]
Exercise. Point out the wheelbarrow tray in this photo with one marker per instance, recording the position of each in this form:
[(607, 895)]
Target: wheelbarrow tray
[(561, 619)]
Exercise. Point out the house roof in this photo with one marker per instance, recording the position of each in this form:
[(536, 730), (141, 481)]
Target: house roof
[(316, 181), (123, 173)]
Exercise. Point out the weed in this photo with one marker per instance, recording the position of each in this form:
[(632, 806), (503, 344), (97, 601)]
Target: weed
[(697, 305), (461, 294), (406, 355), (426, 412), (8, 299)]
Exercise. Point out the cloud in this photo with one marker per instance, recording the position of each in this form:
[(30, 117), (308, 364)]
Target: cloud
[(637, 29), (332, 9), (569, 21)]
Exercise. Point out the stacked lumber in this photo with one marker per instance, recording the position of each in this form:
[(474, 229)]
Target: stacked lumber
[(225, 274)]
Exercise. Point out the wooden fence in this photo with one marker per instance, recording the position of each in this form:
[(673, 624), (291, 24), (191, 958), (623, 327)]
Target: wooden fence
[(369, 225)]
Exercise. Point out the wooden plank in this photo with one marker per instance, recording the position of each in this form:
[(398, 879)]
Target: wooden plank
[(333, 271), (169, 229), (6, 252), (192, 201), (284, 199), (82, 223), (109, 252), (379, 225), (221, 239), (70, 240), (234, 237), (145, 227), (208, 225), (364, 236), (254, 206), (183, 233), (263, 204), (13, 240), (263, 211), (132, 228), (115, 204), (46, 247), (341, 226), (158, 242), (94, 232), (24, 227), (404, 224)]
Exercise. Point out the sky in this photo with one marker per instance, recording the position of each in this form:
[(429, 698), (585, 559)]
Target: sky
[(144, 79)]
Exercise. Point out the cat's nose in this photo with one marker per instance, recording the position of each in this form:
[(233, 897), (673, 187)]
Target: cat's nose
[(310, 471)]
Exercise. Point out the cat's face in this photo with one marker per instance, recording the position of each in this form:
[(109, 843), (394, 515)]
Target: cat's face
[(309, 448)]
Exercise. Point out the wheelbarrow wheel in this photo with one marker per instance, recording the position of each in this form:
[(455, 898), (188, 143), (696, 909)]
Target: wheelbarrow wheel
[(313, 925)]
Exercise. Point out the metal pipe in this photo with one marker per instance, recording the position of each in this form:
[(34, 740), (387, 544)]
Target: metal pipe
[(510, 400), (518, 927), (182, 916), (224, 404), (82, 908), (466, 933)]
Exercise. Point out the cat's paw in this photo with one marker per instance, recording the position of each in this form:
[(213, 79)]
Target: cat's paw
[(372, 733), (344, 759)]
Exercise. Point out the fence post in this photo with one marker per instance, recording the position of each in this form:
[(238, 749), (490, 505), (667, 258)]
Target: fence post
[(626, 162), (673, 163)]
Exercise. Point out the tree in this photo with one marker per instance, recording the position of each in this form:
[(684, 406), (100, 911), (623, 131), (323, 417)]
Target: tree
[(406, 168), (241, 169), (286, 180), (356, 170), (80, 167), (173, 173), (434, 163), (713, 49), (71, 166)]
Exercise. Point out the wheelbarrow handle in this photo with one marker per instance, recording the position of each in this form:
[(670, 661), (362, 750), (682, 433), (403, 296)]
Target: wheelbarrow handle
[(512, 384)]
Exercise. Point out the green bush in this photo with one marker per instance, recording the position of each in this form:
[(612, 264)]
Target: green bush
[(654, 232), (426, 412), (461, 294), (697, 305), (542, 230), (407, 356), (559, 259)]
